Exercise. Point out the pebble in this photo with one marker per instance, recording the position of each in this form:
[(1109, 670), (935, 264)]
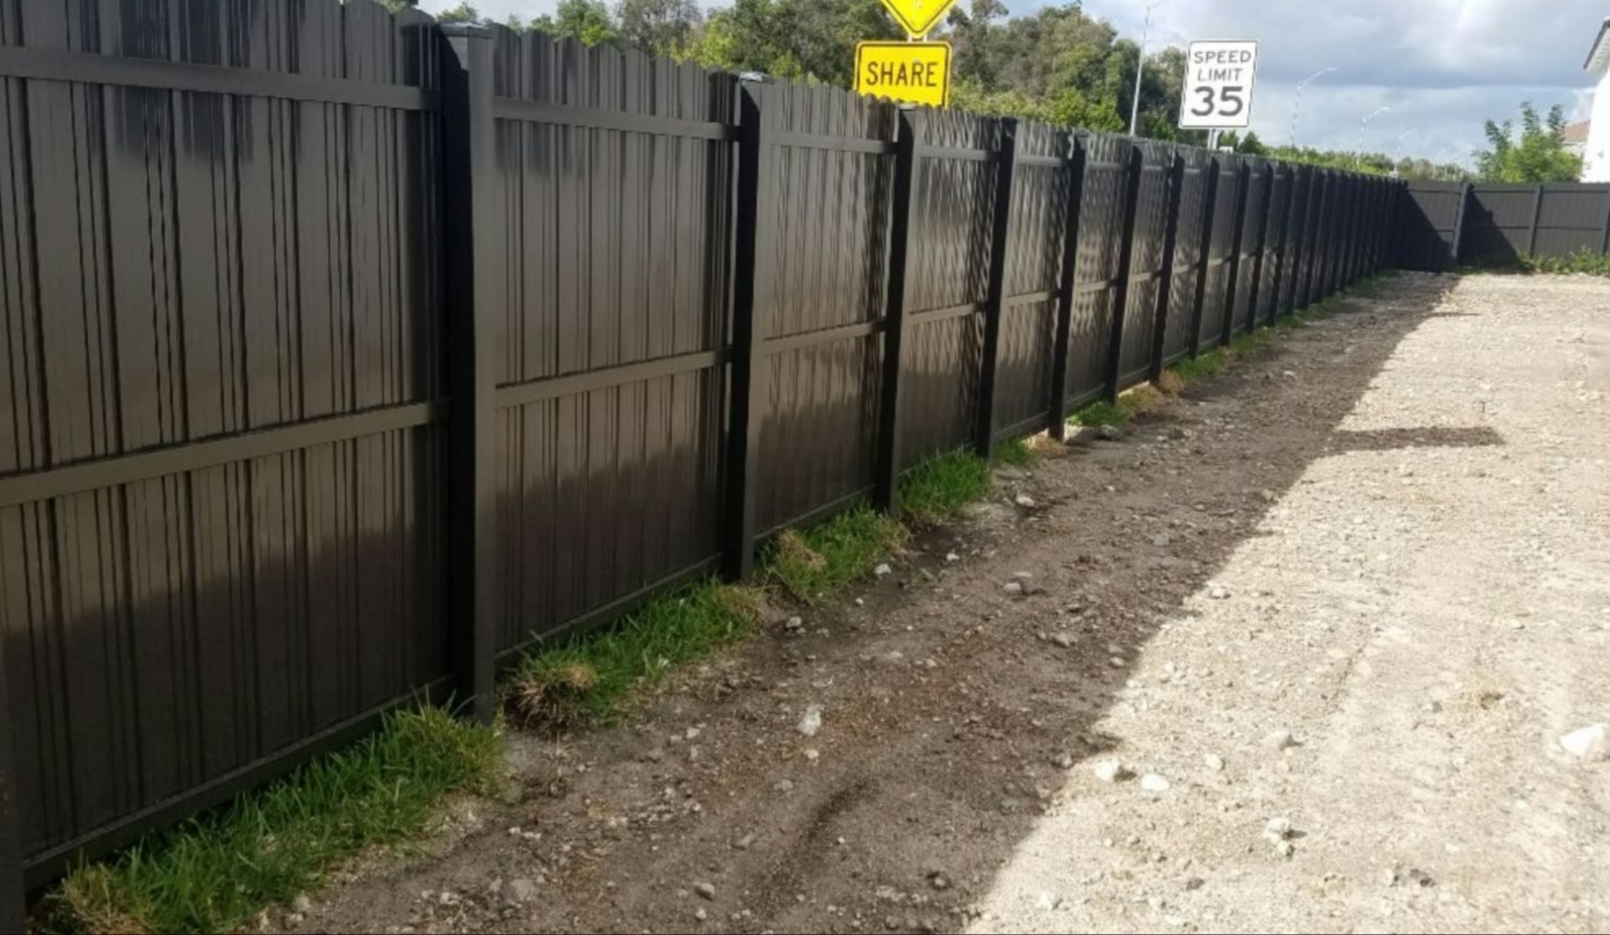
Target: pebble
[(1284, 848), (745, 842), (1023, 500), (794, 623), (1214, 762), (784, 786), (1062, 761), (882, 571), (522, 890), (701, 915), (1112, 771), (1589, 743), (1161, 541), (811, 723), (1195, 883), (1278, 829), (939, 881), (302, 905), (1218, 592), (1064, 639), (1109, 432), (1281, 740), (1014, 588), (952, 557), (1154, 784), (705, 890)]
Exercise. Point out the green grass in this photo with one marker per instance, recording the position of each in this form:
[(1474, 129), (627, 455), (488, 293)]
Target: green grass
[(1587, 262), (216, 873), (938, 488), (1208, 365), (1098, 414), (588, 679), (1019, 452), (809, 565)]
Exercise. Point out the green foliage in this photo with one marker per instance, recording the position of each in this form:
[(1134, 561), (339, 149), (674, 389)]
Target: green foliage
[(1096, 414), (1587, 262), (397, 6), (659, 27), (805, 40), (589, 679), (217, 872), (586, 20), (810, 565), (1019, 452), (1538, 154)]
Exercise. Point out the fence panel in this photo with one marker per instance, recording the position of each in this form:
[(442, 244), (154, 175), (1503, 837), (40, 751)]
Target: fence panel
[(1186, 263), (1034, 261), (1101, 218), (1427, 226), (948, 244), (613, 179), (220, 509), (1222, 255), (1147, 265), (1274, 243), (1248, 251)]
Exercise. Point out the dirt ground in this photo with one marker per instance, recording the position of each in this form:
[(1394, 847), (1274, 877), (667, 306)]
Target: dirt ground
[(1388, 537)]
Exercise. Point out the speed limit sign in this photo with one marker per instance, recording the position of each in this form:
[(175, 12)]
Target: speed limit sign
[(1218, 85)]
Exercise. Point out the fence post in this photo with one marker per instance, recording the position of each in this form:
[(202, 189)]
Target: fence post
[(1204, 256), (1165, 288), (1067, 281), (1537, 216), (994, 295), (472, 346), (13, 890), (751, 279), (886, 493), (1232, 281), (1457, 247), (1606, 248), (1267, 209), (1126, 256)]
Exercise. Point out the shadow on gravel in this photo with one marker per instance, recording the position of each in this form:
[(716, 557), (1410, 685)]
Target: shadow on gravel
[(954, 711)]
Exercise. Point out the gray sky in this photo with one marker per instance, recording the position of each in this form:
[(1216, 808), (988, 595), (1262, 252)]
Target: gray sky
[(1443, 66)]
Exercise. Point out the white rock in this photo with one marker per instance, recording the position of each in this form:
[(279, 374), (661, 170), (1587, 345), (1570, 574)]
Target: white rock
[(1284, 848), (794, 623), (883, 571), (1025, 501), (1014, 588), (1278, 829), (1218, 592), (1281, 740), (1110, 432), (1064, 639), (1062, 761), (952, 557), (1112, 771), (301, 905), (1589, 743), (1214, 762), (811, 723), (1153, 783), (705, 890), (522, 890)]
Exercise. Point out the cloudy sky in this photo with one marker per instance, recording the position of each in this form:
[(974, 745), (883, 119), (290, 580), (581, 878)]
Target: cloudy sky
[(1443, 66)]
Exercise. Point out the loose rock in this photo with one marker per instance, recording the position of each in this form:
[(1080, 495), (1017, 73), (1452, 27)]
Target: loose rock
[(1591, 743), (1154, 784), (811, 723), (1214, 762), (1023, 500), (1109, 433), (1113, 771), (1278, 829), (301, 905), (1014, 588), (1281, 740), (795, 623), (522, 890), (705, 890), (1218, 592), (882, 571)]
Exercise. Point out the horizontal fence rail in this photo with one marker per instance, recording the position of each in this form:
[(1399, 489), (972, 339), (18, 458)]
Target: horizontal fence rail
[(481, 339)]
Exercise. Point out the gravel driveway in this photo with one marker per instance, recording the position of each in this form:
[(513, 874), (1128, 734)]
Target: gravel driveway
[(1333, 611)]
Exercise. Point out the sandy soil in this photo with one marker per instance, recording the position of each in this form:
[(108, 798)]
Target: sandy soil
[(1389, 537)]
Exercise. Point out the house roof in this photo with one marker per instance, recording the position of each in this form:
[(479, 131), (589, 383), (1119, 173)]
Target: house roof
[(1599, 55), (1576, 132)]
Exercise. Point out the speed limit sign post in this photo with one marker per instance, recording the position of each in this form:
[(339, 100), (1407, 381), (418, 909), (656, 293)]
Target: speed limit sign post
[(1218, 85)]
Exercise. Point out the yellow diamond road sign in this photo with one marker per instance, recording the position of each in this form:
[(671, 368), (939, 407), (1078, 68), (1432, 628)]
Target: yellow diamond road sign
[(916, 17), (914, 72)]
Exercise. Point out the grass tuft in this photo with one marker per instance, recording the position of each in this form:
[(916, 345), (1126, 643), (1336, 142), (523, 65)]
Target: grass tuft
[(940, 487), (1099, 414), (217, 872), (810, 564), (1019, 452), (1210, 364), (589, 679), (1586, 262)]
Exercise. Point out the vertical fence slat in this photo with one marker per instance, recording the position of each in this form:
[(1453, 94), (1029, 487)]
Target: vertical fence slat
[(1537, 216), (1456, 249), (1126, 256), (1604, 241), (1266, 212), (1000, 239), (13, 893), (1204, 256), (751, 278), (1165, 288), (1283, 253), (472, 272), (1232, 281), (1067, 279), (886, 492)]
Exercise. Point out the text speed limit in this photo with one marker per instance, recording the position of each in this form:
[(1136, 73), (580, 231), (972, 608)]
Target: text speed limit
[(1218, 85)]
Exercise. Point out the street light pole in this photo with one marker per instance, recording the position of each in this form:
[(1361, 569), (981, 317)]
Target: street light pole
[(1297, 109), (1397, 152), (1140, 68), (1361, 125)]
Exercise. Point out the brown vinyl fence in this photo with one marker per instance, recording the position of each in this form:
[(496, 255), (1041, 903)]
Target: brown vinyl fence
[(1445, 225), (346, 355)]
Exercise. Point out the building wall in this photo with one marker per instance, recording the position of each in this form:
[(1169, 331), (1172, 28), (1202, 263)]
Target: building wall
[(1596, 163)]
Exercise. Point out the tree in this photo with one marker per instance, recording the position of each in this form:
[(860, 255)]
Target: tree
[(658, 27), (586, 20), (465, 12), (807, 40), (397, 6), (1538, 155)]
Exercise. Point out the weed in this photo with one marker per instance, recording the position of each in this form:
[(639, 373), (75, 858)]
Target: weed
[(808, 565), (1206, 366), (1143, 400), (219, 871), (1098, 414), (1171, 383), (588, 679), (1587, 262), (938, 488)]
